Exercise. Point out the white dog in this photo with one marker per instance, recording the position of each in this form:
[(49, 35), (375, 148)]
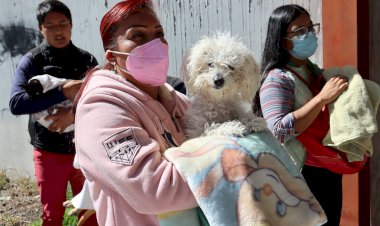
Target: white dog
[(222, 77)]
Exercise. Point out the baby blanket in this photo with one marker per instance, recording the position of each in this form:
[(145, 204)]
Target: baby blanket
[(353, 115), (246, 181), (40, 84)]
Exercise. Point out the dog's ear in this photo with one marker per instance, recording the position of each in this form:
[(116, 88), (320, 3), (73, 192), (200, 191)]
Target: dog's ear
[(185, 72), (251, 78)]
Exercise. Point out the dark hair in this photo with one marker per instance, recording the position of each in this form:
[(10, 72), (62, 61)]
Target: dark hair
[(274, 55), (48, 6)]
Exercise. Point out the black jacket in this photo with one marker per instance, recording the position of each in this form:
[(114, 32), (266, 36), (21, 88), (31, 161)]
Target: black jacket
[(71, 63)]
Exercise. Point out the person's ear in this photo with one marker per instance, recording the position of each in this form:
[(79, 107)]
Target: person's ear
[(109, 56), (286, 44)]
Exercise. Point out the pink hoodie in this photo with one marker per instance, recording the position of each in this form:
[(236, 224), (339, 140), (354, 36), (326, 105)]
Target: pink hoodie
[(120, 133)]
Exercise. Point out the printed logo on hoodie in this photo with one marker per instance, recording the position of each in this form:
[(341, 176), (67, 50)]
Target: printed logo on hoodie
[(122, 147)]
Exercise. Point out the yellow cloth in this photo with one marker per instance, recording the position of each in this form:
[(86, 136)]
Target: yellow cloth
[(353, 115)]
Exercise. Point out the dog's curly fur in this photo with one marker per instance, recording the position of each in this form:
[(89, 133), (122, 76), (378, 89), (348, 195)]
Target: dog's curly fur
[(221, 76)]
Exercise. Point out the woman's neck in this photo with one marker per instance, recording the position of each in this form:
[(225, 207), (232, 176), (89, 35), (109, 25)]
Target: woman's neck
[(151, 91), (297, 62)]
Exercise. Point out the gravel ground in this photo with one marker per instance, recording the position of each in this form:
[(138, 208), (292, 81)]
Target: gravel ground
[(19, 201)]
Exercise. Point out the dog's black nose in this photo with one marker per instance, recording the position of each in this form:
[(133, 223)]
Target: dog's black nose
[(218, 81)]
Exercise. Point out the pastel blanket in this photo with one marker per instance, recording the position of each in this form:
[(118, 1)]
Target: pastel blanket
[(353, 115), (246, 181)]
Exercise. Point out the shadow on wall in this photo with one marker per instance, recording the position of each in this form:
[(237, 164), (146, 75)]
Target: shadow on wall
[(17, 40)]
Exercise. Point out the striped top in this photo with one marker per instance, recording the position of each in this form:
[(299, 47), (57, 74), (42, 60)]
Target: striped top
[(280, 95), (277, 104)]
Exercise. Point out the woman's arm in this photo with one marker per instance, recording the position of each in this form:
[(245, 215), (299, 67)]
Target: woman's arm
[(115, 149), (305, 115), (277, 104)]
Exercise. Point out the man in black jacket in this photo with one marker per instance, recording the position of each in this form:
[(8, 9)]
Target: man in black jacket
[(53, 150)]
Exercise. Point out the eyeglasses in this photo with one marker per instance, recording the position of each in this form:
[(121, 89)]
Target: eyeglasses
[(302, 32)]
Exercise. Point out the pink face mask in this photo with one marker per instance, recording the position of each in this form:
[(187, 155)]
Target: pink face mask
[(148, 63)]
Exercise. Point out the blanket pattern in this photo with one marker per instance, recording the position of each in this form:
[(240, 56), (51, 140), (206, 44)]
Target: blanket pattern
[(246, 181)]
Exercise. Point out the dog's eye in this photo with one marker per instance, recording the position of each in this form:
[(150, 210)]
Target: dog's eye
[(231, 68), (211, 64)]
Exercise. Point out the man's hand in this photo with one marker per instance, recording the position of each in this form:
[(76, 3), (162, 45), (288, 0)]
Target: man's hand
[(63, 118), (71, 88)]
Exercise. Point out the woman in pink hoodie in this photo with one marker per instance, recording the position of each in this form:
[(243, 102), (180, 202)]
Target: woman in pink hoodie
[(126, 117)]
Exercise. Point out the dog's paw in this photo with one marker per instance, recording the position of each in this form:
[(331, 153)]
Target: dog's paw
[(68, 204), (257, 124), (74, 211), (229, 128)]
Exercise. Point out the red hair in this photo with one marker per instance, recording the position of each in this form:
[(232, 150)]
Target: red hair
[(116, 15)]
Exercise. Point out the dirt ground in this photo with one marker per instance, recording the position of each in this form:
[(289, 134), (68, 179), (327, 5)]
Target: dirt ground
[(19, 201)]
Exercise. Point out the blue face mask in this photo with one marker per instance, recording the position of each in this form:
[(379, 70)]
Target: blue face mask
[(304, 48)]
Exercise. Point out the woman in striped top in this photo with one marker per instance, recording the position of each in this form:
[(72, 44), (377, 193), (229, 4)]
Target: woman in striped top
[(293, 97)]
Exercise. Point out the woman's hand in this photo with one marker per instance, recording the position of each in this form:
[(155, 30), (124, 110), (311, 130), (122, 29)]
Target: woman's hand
[(61, 119), (332, 89), (305, 115)]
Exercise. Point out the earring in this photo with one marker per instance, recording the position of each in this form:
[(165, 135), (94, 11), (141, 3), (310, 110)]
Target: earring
[(114, 67)]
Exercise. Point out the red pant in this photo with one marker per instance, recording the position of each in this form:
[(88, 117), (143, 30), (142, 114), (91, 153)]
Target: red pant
[(53, 173)]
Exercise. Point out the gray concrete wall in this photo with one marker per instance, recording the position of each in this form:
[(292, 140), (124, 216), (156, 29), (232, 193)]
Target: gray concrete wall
[(187, 21), (184, 22), (19, 33)]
